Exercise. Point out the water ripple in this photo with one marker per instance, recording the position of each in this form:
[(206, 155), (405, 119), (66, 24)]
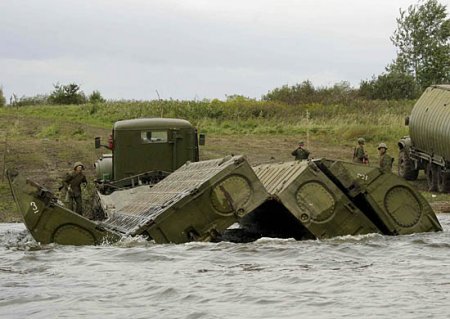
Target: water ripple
[(370, 276)]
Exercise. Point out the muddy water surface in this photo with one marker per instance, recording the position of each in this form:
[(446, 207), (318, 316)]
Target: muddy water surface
[(370, 276)]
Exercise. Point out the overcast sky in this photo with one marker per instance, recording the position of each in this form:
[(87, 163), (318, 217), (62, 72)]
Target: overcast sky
[(192, 49)]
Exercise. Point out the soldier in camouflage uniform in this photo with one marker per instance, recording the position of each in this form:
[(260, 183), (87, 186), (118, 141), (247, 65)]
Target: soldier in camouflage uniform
[(300, 152), (72, 183), (359, 154), (385, 159)]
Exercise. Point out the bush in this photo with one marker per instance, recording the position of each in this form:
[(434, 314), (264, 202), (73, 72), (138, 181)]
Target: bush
[(296, 94), (390, 86), (96, 97), (306, 93), (30, 100), (67, 94), (2, 98)]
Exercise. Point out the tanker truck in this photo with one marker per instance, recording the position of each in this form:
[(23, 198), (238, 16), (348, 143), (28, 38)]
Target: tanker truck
[(428, 145)]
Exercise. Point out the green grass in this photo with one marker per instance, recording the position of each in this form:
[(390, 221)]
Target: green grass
[(8, 210), (49, 131), (375, 120)]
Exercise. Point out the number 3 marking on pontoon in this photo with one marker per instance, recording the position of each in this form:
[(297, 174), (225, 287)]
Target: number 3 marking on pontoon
[(34, 207)]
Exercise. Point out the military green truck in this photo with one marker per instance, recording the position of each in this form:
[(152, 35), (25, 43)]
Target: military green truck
[(145, 150), (428, 145), (153, 185)]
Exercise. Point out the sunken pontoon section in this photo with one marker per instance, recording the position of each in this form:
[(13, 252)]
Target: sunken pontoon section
[(201, 200), (389, 202), (49, 222), (197, 202), (313, 198)]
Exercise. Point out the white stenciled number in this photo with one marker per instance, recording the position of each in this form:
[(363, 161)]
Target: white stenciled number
[(364, 177), (34, 207)]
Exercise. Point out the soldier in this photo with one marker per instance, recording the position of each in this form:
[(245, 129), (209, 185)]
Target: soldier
[(385, 159), (300, 153), (72, 183), (359, 154)]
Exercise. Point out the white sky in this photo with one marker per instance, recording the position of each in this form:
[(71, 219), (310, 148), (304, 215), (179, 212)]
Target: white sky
[(192, 49)]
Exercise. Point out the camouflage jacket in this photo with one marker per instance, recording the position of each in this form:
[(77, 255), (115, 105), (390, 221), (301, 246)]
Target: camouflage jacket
[(386, 163), (300, 154), (72, 182), (359, 155)]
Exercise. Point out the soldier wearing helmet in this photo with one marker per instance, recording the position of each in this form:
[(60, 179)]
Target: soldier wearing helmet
[(359, 154), (72, 183), (300, 152), (385, 159)]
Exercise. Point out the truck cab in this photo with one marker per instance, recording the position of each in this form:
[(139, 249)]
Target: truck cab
[(147, 144)]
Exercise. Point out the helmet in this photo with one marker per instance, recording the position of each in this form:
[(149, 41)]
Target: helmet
[(301, 143), (382, 145), (361, 140), (78, 164)]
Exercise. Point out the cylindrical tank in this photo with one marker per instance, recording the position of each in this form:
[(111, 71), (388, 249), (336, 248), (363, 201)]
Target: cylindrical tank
[(103, 167), (429, 124)]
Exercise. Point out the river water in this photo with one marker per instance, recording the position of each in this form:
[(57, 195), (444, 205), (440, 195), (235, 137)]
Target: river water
[(370, 276)]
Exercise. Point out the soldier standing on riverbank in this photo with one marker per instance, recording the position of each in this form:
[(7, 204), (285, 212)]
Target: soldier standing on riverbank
[(300, 152), (359, 154), (385, 159)]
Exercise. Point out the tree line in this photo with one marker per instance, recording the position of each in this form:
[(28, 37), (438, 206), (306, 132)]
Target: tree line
[(61, 95)]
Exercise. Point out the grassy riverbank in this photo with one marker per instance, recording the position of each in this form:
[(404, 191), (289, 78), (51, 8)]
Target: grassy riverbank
[(376, 120), (44, 141)]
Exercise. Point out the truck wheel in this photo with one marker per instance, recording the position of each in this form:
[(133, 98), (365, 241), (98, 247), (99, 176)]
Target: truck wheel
[(432, 177), (406, 167), (443, 183)]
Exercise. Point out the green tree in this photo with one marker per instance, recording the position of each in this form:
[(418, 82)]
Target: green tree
[(67, 94), (96, 97), (2, 98), (422, 40), (390, 86)]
